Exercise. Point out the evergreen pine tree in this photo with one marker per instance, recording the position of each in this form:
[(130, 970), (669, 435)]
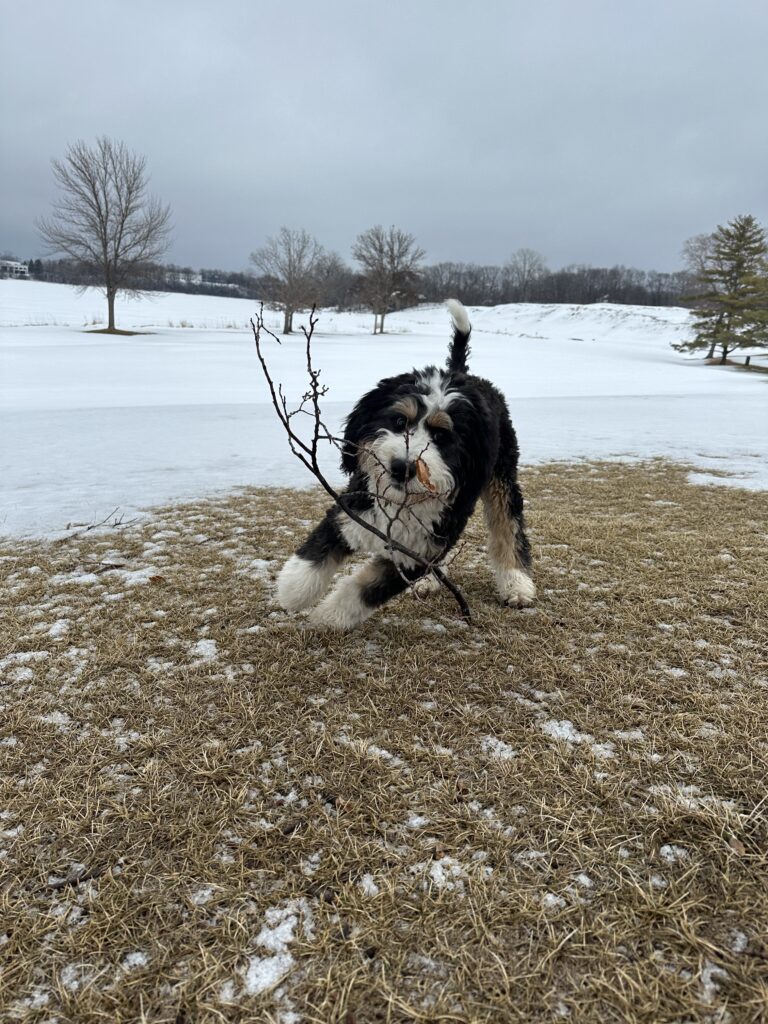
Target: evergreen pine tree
[(732, 308)]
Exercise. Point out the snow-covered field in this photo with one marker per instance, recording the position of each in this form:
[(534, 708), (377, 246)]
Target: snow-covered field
[(92, 423)]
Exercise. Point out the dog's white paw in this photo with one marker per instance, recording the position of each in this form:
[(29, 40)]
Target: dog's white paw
[(342, 608), (426, 586), (516, 588), (302, 583)]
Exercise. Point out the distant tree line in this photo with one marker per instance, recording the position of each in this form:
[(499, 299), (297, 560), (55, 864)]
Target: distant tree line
[(482, 285), (106, 231), (339, 286)]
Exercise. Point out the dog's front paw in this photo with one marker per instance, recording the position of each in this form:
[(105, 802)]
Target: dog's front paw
[(301, 583), (343, 608), (516, 588)]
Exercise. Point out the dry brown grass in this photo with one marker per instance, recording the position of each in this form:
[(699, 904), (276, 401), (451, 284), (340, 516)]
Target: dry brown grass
[(201, 795)]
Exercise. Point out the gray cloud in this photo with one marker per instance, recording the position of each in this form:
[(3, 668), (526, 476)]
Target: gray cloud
[(595, 132)]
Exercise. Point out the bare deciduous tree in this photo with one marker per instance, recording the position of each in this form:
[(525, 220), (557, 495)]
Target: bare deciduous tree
[(336, 282), (698, 257), (292, 259), (390, 260), (697, 253), (104, 218), (525, 266)]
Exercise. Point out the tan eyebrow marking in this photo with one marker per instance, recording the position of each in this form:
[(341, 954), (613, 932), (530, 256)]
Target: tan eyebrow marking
[(440, 420), (407, 407)]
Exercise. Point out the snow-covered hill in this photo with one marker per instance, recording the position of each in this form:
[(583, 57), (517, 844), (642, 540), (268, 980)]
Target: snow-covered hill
[(90, 422)]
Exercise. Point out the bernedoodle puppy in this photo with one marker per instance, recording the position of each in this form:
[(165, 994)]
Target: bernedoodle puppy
[(420, 449)]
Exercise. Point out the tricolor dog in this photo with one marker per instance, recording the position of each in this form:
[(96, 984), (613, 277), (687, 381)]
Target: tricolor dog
[(420, 449)]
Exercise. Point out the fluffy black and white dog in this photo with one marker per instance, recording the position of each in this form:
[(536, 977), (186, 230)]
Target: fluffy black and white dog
[(420, 449)]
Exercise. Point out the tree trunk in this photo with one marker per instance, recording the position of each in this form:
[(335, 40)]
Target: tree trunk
[(711, 353), (288, 321), (724, 355), (111, 309), (381, 323)]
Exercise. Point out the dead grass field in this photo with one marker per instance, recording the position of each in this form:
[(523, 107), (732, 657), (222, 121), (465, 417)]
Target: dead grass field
[(211, 812)]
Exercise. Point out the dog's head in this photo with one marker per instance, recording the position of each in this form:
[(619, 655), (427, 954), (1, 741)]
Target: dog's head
[(415, 435)]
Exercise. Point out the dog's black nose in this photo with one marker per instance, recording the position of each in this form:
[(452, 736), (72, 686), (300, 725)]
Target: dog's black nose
[(400, 470)]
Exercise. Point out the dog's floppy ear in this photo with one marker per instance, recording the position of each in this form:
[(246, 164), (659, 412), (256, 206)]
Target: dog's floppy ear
[(354, 435)]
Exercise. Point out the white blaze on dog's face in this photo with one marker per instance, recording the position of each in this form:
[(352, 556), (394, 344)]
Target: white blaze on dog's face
[(409, 427)]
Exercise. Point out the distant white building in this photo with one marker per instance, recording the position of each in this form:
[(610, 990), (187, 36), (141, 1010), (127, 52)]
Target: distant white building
[(12, 268)]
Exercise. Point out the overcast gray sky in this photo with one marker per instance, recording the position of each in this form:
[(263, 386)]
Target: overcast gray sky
[(595, 131)]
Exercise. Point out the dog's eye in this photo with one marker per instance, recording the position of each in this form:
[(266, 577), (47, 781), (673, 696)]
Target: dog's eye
[(440, 435), (400, 422)]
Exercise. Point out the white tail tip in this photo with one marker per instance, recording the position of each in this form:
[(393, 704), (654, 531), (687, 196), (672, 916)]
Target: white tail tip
[(459, 316)]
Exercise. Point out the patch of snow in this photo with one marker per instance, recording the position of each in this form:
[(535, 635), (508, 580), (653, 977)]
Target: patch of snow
[(711, 974), (417, 821), (134, 577), (280, 923), (629, 734), (74, 976), (133, 960), (673, 854), (739, 941), (310, 864), (565, 731), (690, 797), (23, 657), (429, 626), (227, 992), (205, 650), (58, 718), (368, 886), (493, 747), (266, 972), (551, 901), (80, 578), (447, 873)]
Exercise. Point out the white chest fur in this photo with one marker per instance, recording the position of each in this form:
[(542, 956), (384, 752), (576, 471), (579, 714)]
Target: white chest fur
[(410, 526)]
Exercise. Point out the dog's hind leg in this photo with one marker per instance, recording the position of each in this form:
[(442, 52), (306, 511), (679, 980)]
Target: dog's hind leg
[(508, 550), (306, 576), (355, 598)]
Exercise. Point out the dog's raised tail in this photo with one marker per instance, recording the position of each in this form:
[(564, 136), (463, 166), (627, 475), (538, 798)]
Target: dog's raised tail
[(459, 350)]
